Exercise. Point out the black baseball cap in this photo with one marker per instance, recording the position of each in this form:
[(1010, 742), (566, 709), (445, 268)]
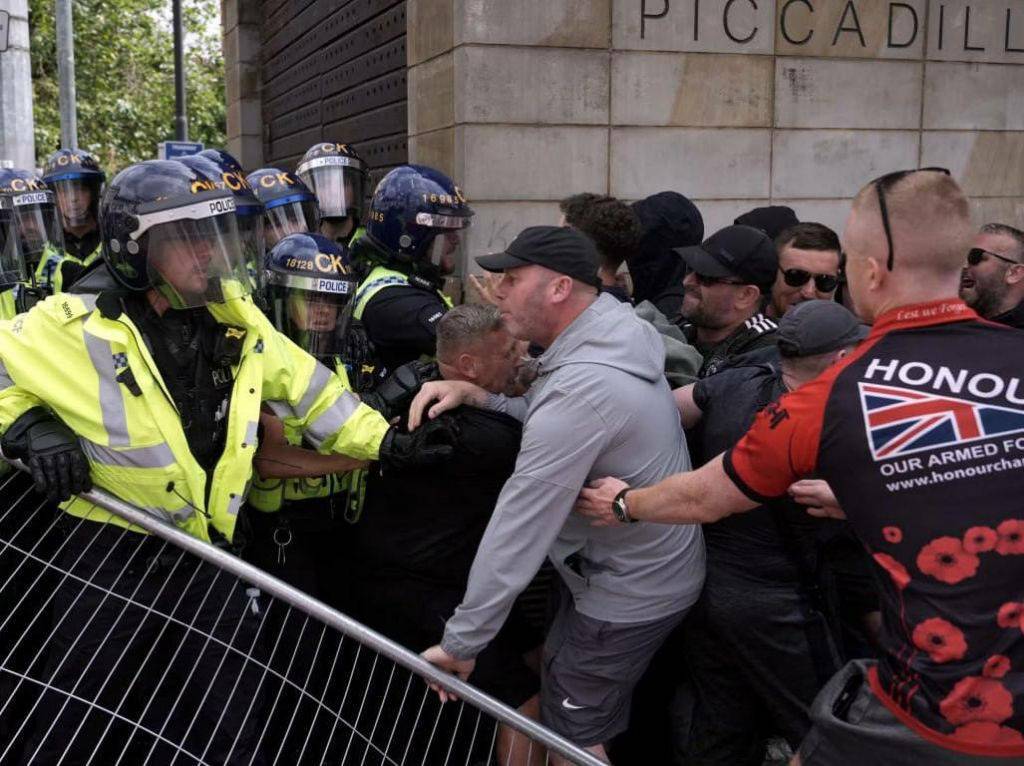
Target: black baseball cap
[(739, 252), (558, 248), (817, 327)]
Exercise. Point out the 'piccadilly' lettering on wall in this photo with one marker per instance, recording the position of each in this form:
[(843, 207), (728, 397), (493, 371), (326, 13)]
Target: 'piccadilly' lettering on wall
[(983, 30)]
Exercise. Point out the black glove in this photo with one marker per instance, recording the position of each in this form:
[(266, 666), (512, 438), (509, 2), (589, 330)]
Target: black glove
[(360, 357), (393, 397), (430, 444), (52, 453)]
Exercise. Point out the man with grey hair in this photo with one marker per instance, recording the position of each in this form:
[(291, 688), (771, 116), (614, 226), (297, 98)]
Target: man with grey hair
[(993, 279), (412, 550)]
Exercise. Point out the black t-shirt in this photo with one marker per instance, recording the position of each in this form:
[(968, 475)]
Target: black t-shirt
[(402, 323), (920, 433), (766, 541), (182, 344), (427, 523)]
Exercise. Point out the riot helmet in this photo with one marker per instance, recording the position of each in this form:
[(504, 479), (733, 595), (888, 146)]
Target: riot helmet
[(75, 177), (224, 159), (289, 207), (12, 267), (35, 215), (417, 219), (248, 209), (169, 227), (337, 176), (310, 290)]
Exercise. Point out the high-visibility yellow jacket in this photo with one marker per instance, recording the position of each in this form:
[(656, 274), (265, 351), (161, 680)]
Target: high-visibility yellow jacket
[(271, 494), (48, 271), (380, 278), (64, 354)]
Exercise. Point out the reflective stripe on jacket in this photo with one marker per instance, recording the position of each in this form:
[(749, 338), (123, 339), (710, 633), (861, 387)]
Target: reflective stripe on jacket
[(378, 279), (66, 355)]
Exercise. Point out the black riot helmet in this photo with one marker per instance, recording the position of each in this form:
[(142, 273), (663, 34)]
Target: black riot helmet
[(248, 209), (289, 207), (337, 176), (35, 214), (310, 291), (76, 178), (12, 266), (169, 227)]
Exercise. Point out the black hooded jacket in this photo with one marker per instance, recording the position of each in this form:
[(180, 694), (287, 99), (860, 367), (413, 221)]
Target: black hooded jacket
[(669, 220)]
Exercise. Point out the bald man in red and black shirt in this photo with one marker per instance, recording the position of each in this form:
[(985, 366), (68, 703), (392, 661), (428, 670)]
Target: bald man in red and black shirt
[(920, 434)]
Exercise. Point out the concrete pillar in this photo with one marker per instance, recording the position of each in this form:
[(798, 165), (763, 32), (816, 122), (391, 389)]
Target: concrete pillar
[(17, 126), (240, 24)]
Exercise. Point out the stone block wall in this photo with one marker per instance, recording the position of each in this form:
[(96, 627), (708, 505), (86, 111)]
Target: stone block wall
[(735, 103)]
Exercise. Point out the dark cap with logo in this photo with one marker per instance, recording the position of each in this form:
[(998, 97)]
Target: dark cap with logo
[(558, 248), (817, 327), (742, 253)]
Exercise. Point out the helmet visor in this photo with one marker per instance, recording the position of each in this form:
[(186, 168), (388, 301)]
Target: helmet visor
[(338, 185), (197, 262), (317, 322), (38, 225), (250, 232), (78, 201), (298, 217), (12, 267), (447, 251)]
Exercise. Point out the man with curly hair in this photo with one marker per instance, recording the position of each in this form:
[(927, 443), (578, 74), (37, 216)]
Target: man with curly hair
[(613, 227)]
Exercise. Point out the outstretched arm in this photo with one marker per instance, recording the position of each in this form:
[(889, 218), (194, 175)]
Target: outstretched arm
[(695, 497)]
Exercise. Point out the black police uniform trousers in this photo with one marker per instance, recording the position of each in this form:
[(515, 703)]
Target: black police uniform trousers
[(147, 656)]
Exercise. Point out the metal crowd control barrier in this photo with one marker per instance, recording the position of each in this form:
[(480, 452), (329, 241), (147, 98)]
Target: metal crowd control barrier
[(188, 655)]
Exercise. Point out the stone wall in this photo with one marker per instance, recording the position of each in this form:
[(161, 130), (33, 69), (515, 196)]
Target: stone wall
[(735, 103)]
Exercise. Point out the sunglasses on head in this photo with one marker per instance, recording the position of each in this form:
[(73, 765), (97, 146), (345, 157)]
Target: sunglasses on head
[(976, 255), (823, 283), (885, 183)]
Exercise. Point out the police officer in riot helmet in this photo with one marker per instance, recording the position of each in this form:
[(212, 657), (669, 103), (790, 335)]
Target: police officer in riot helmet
[(337, 176), (310, 286), (76, 178), (289, 207), (13, 274), (38, 226), (227, 173), (413, 241), (174, 363)]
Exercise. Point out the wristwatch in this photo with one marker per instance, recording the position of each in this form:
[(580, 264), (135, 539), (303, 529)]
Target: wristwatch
[(619, 508)]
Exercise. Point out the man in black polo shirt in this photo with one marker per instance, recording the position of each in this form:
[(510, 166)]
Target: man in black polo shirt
[(920, 434), (730, 274), (764, 638)]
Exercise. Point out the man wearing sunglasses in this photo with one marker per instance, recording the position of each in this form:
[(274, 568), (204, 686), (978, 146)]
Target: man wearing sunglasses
[(993, 279), (920, 434), (808, 267), (730, 274)]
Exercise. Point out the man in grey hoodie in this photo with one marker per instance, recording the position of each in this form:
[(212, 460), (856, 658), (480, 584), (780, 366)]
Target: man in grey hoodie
[(600, 406)]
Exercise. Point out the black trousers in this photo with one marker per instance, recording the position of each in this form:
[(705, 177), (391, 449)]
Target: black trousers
[(145, 657), (757, 654)]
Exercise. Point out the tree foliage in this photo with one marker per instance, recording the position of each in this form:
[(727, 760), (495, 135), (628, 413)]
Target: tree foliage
[(124, 76)]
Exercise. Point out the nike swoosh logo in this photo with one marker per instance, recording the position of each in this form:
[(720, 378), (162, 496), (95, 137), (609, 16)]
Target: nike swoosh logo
[(569, 706)]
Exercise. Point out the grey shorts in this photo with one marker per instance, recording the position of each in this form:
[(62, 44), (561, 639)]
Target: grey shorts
[(851, 727), (590, 670)]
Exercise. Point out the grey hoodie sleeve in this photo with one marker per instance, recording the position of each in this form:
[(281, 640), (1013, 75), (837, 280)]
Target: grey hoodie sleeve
[(513, 406), (561, 441)]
